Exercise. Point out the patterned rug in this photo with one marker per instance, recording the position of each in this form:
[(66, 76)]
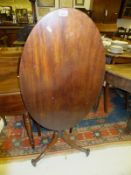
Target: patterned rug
[(97, 128)]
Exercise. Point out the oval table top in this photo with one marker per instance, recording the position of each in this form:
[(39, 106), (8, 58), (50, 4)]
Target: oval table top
[(62, 69)]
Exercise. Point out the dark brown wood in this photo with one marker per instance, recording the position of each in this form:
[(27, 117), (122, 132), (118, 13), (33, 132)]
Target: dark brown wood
[(3, 40), (55, 137), (38, 128), (62, 69), (98, 11), (121, 60), (11, 104), (105, 11), (128, 127), (28, 126), (70, 130), (46, 148), (10, 32), (105, 96), (73, 144), (33, 11), (126, 100), (113, 8)]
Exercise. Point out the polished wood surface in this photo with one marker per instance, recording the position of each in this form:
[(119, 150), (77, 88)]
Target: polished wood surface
[(62, 69), (105, 11)]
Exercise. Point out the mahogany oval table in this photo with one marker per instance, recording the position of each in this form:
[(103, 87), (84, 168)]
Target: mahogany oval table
[(62, 70)]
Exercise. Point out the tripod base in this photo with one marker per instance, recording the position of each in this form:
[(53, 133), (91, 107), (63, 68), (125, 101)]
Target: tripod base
[(54, 139)]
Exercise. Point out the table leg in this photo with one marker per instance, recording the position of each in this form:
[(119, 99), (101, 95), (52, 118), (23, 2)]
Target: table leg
[(73, 144), (38, 128), (46, 148), (28, 126), (105, 96)]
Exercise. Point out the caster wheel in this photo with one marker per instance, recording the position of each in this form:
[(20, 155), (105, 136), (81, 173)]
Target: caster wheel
[(33, 162)]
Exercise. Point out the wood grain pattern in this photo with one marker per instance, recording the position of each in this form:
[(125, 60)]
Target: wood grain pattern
[(105, 11), (62, 69)]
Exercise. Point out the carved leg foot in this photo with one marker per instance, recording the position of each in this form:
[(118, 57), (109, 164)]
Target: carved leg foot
[(28, 126), (73, 144), (46, 148)]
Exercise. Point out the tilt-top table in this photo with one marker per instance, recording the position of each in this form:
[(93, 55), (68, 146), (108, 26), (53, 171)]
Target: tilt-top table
[(62, 72)]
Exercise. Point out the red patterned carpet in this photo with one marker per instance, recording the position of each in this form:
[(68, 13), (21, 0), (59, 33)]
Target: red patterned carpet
[(96, 129)]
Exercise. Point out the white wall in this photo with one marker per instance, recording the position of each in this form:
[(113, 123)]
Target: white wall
[(124, 23), (87, 5), (17, 4)]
